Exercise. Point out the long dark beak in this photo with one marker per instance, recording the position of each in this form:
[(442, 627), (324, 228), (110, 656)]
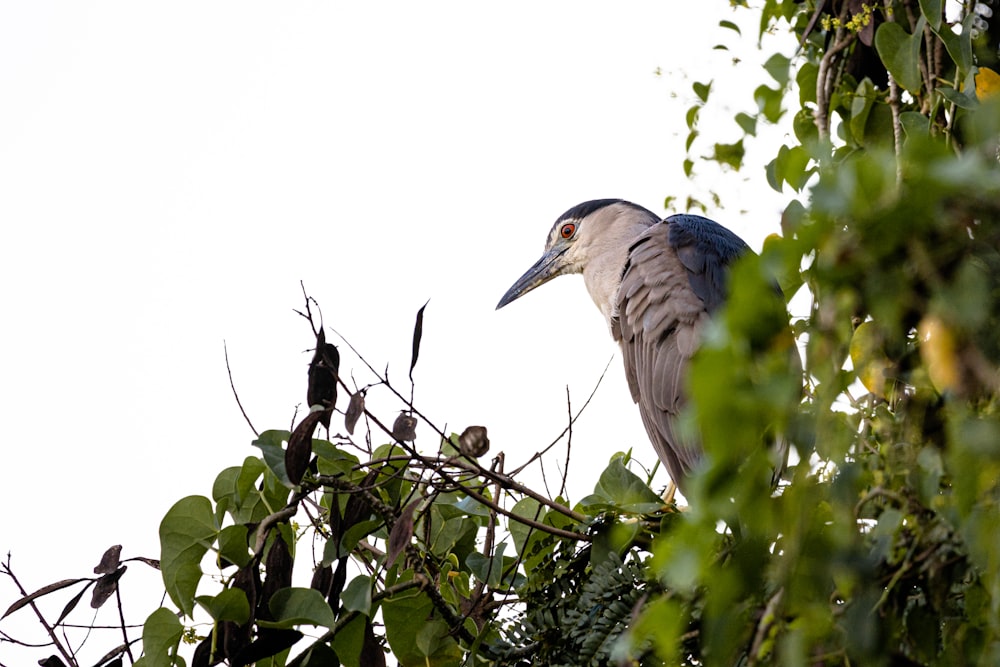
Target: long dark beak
[(545, 269)]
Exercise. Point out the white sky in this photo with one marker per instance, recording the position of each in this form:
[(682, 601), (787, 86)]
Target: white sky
[(169, 172)]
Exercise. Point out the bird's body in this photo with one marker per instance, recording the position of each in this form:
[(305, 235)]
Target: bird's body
[(657, 284)]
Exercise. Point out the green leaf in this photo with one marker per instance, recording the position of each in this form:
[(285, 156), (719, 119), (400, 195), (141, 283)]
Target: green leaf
[(691, 117), (702, 90), (804, 126), (771, 173), (250, 472), (805, 80), (405, 616), (932, 469), (789, 167), (321, 655), (224, 489), (348, 641), (747, 123), (471, 506), (661, 624), (229, 605), (297, 606), (186, 533), (900, 52), (626, 490), (959, 46), (730, 154), (353, 535), (233, 545), (451, 446), (932, 10), (692, 135), (529, 508), (769, 103), (729, 25), (332, 460), (357, 596), (615, 539), (959, 99), (861, 104), (884, 533), (430, 637), (488, 570), (446, 533), (235, 491), (777, 66), (271, 443), (161, 634), (915, 124)]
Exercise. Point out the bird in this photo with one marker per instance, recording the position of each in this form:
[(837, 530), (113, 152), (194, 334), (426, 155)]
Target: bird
[(657, 283)]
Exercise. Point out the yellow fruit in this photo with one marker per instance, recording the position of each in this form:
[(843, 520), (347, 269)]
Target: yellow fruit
[(938, 352), (869, 359), (987, 83)]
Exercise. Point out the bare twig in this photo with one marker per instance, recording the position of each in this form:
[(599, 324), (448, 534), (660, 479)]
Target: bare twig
[(552, 530), (825, 76), (470, 464), (487, 549), (229, 370), (566, 430), (121, 617), (569, 441), (284, 514), (6, 570)]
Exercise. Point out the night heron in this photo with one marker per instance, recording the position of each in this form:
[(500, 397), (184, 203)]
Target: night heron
[(657, 283)]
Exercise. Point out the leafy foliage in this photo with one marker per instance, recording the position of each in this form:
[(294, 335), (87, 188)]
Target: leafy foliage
[(879, 547)]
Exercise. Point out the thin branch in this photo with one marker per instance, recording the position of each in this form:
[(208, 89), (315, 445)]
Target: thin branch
[(825, 74), (545, 479), (472, 465), (468, 463), (569, 426), (5, 569), (121, 617), (569, 440), (552, 530), (511, 485), (878, 491), (284, 514), (229, 370), (488, 541), (767, 620), (897, 127)]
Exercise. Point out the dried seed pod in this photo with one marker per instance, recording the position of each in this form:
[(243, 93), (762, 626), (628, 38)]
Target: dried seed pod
[(405, 427), (473, 441), (354, 410)]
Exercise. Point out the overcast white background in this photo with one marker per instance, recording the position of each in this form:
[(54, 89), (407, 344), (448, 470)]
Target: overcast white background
[(169, 172)]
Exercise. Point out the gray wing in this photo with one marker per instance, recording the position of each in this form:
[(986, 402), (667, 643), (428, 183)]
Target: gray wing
[(674, 277)]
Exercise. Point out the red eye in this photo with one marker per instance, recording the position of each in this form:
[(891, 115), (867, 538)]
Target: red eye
[(567, 230)]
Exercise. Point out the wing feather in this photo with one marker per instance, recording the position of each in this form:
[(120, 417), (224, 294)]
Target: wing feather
[(673, 279)]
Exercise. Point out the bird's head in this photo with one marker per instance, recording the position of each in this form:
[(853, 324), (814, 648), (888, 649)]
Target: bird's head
[(591, 238)]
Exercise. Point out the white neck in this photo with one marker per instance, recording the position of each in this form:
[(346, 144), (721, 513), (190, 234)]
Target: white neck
[(603, 271)]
